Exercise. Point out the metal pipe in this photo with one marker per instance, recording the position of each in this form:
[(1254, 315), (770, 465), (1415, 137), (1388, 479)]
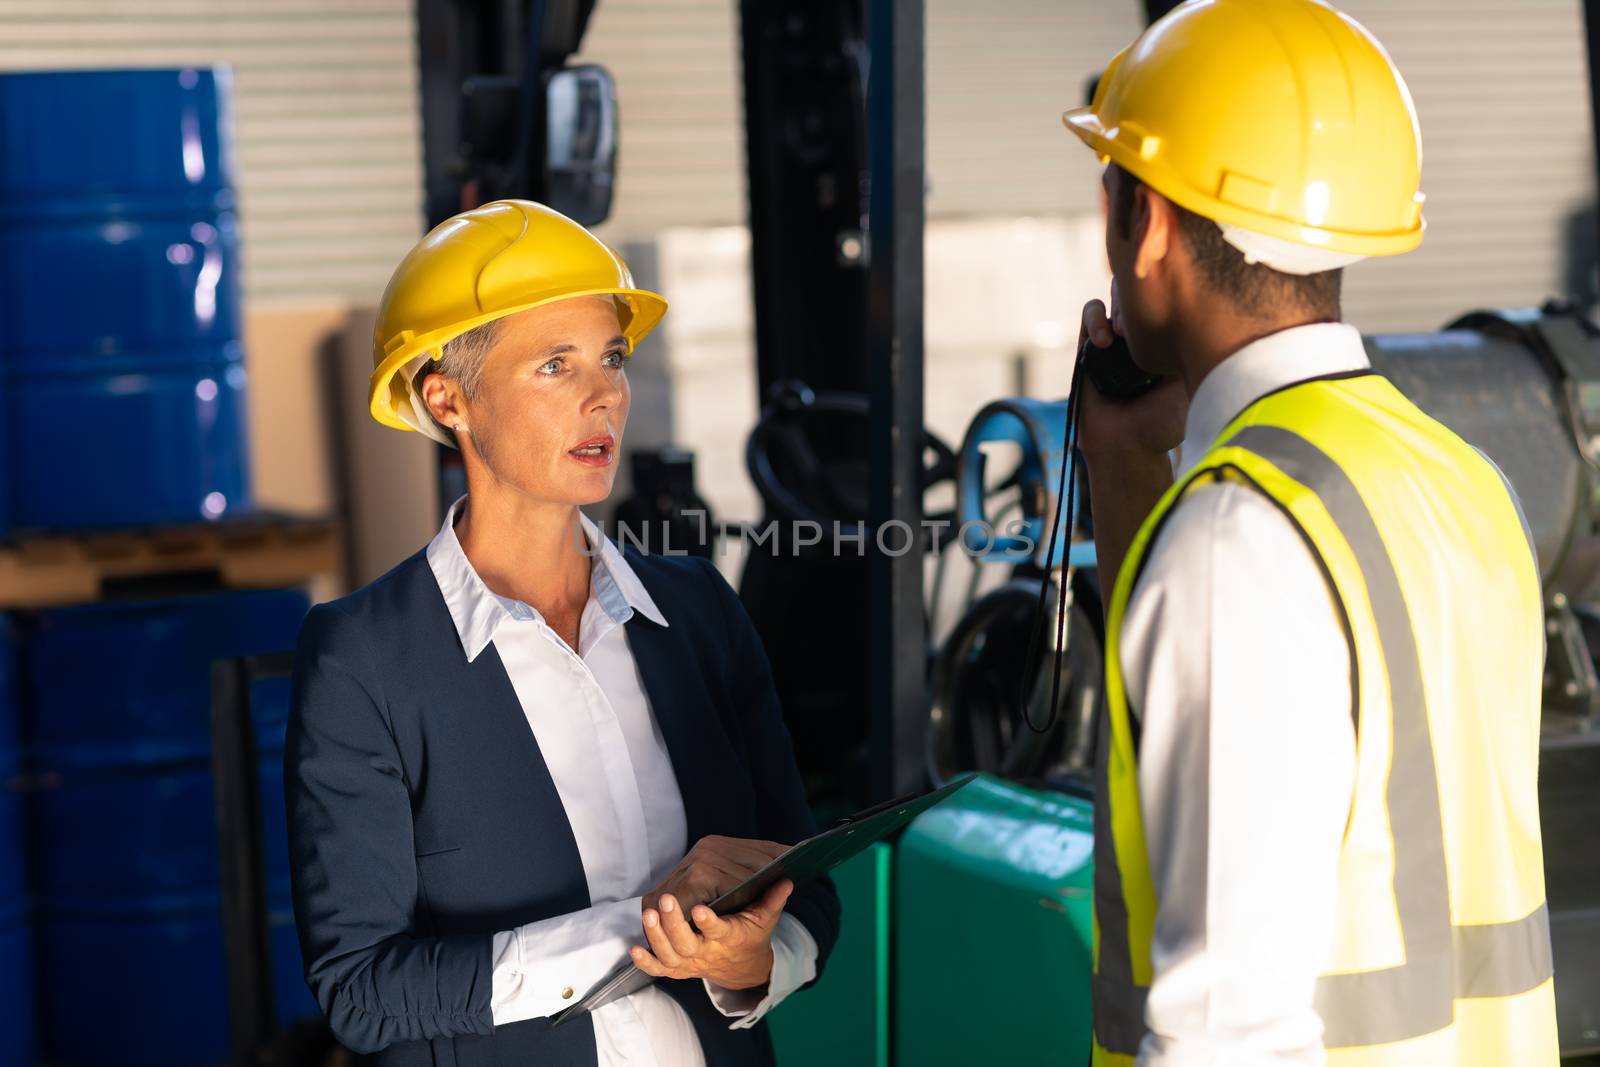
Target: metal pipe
[(896, 124)]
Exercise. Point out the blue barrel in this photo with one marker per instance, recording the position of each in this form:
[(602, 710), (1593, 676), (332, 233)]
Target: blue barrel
[(126, 858), (16, 947), (121, 368)]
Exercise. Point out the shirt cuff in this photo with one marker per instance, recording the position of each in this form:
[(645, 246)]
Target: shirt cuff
[(794, 963), (546, 966)]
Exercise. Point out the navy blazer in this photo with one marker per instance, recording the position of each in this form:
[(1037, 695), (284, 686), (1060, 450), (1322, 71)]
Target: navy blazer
[(423, 820)]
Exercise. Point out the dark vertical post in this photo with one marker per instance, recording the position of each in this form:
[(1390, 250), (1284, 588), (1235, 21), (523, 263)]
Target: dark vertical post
[(527, 178), (806, 153), (895, 117), (1591, 27), (442, 36), (1154, 9), (244, 907)]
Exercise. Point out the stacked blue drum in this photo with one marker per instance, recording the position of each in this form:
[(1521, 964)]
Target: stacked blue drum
[(16, 952), (122, 380), (126, 862)]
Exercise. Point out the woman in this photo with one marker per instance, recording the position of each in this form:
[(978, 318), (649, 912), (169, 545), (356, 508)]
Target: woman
[(502, 750)]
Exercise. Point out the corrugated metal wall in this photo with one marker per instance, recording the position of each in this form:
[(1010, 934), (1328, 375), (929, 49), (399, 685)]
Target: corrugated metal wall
[(999, 76), (327, 119), (1501, 90), (681, 102), (328, 124), (1502, 93)]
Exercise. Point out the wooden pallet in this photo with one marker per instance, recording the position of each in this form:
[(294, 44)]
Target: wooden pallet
[(49, 570)]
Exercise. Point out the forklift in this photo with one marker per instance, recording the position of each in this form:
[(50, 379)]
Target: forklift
[(834, 106)]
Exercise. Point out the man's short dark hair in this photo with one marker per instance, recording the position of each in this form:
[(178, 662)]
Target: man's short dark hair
[(1256, 289)]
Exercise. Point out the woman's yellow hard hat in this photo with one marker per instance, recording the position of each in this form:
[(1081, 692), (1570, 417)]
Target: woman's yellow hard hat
[(1282, 117), (496, 260)]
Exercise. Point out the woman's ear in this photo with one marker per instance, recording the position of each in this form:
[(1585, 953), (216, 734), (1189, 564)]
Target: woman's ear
[(1154, 221), (442, 397)]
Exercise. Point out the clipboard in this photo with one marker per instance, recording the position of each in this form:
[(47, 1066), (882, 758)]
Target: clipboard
[(811, 858)]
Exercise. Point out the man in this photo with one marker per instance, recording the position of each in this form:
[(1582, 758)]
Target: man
[(1318, 827)]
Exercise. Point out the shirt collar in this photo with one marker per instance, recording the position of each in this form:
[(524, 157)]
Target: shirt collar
[(478, 612), (1277, 360), (614, 576)]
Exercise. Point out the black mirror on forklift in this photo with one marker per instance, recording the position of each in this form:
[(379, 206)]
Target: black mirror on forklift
[(581, 142)]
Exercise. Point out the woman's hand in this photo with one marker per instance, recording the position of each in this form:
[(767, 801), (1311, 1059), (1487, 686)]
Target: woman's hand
[(734, 951), (713, 866)]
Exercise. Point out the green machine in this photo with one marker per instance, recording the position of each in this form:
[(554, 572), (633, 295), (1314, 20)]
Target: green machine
[(844, 1020), (969, 941), (994, 931)]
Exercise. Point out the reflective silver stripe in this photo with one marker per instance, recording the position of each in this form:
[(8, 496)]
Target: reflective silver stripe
[(1503, 959), (1375, 1007), (1118, 1003)]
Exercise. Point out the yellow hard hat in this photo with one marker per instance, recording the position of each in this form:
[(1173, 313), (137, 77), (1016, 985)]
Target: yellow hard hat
[(496, 260), (1285, 118)]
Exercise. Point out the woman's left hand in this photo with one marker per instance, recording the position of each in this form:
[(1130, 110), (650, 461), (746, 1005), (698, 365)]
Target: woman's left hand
[(734, 951)]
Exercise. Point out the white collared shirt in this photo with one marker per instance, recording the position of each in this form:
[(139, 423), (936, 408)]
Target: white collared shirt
[(1238, 668), (591, 716)]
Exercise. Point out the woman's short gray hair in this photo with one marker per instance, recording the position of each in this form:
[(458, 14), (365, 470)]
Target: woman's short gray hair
[(461, 362)]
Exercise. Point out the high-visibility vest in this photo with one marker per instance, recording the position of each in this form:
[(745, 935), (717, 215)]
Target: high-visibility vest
[(1441, 950)]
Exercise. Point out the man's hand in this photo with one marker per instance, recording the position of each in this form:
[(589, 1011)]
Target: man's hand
[(713, 866), (734, 951), (1125, 446), (1143, 429)]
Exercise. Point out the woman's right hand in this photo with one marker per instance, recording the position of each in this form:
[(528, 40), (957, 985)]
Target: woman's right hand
[(713, 866)]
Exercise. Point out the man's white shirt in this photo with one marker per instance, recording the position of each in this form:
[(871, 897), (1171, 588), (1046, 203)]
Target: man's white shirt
[(1237, 667)]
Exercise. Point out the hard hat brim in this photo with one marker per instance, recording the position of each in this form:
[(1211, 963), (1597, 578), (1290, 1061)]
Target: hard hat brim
[(647, 311), (1112, 145)]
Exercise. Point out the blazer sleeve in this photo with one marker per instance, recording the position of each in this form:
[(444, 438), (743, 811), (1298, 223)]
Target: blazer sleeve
[(352, 859), (782, 811)]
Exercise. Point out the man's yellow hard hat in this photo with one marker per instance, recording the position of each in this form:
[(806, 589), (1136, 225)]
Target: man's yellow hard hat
[(1282, 117), (496, 260)]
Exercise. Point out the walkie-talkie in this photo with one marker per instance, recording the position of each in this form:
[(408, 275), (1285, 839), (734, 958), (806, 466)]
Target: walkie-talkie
[(1113, 370)]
